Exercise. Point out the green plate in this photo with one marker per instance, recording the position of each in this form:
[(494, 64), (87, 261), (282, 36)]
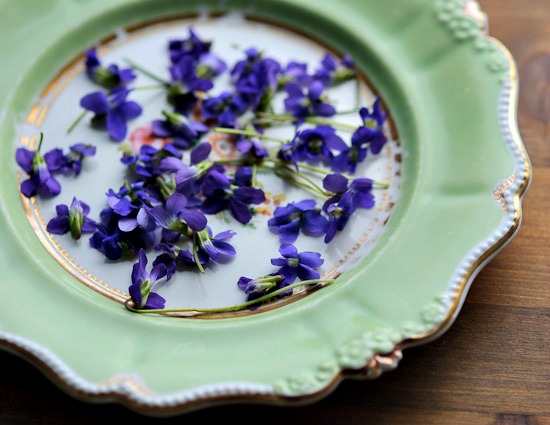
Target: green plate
[(451, 91)]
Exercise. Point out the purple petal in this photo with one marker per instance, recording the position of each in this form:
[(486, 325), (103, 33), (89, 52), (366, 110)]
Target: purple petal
[(116, 125), (311, 259), (226, 234), (195, 219), (139, 274), (176, 203), (24, 158), (171, 165), (154, 302), (249, 195), (240, 211), (288, 251), (145, 220), (127, 224), (62, 210), (335, 183), (89, 225), (315, 90), (51, 188), (161, 128), (225, 249), (28, 187), (314, 224), (96, 102), (306, 273), (130, 110), (157, 272), (288, 233), (324, 109), (58, 225), (200, 152)]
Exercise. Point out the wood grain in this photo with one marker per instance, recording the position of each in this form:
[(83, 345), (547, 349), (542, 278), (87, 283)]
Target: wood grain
[(491, 368)]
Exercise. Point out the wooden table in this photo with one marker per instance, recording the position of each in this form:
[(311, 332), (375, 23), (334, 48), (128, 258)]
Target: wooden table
[(491, 367)]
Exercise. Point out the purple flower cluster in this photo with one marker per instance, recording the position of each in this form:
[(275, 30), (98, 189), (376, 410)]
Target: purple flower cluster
[(41, 169), (169, 192)]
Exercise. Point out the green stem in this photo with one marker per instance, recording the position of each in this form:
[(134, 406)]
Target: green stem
[(254, 174), (150, 87), (248, 133), (78, 119), (147, 72), (40, 142), (339, 125), (291, 177), (236, 307), (311, 120), (196, 254)]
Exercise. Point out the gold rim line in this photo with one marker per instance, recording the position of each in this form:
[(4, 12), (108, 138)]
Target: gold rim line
[(59, 254), (70, 71), (465, 282)]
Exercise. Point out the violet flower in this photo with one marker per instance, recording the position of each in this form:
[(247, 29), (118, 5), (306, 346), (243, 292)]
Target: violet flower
[(333, 72), (339, 214), (143, 283), (225, 109), (294, 264), (370, 133), (287, 221), (182, 92), (172, 255), (184, 132), (40, 179), (257, 288), (113, 242), (216, 248), (302, 103), (358, 191), (255, 78), (177, 219), (315, 145), (221, 196), (72, 219), (112, 111), (192, 46), (70, 163), (252, 146), (108, 77)]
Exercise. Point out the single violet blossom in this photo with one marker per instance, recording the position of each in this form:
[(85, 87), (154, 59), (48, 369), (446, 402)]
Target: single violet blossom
[(294, 264), (71, 163), (73, 219), (108, 77), (184, 132), (287, 221), (177, 219), (317, 144), (358, 192), (371, 133), (143, 283), (257, 288), (301, 103), (224, 109), (339, 214), (40, 179), (192, 46), (112, 110), (333, 72), (216, 248), (221, 196), (185, 84)]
